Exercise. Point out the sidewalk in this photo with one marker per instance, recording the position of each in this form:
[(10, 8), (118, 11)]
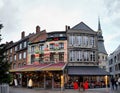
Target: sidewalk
[(26, 90)]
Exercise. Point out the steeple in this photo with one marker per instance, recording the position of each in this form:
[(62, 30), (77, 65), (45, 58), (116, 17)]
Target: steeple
[(101, 47), (99, 26)]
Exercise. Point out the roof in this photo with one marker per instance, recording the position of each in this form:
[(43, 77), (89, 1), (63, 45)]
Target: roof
[(86, 70), (81, 26), (41, 67), (101, 47)]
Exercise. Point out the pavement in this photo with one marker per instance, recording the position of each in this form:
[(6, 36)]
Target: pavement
[(35, 90)]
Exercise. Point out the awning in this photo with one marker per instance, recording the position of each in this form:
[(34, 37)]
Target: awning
[(41, 67), (86, 70), (55, 67)]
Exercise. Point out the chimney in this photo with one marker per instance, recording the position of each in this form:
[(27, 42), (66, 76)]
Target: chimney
[(67, 27), (37, 29), (23, 34)]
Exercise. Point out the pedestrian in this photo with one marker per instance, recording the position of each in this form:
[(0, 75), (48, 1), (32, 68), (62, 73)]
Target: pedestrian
[(112, 82), (81, 83), (116, 83), (85, 85), (75, 84), (119, 81), (30, 83)]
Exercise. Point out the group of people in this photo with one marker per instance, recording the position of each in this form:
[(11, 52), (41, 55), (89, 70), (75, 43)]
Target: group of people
[(115, 82), (78, 85)]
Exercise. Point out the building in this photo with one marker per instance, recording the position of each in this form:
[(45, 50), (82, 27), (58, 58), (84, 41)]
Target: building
[(102, 54), (55, 58), (83, 56), (114, 62), (46, 60)]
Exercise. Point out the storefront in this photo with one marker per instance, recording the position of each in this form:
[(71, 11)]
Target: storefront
[(96, 77), (42, 75)]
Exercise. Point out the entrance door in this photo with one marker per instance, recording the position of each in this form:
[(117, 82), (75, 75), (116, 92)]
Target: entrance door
[(48, 82)]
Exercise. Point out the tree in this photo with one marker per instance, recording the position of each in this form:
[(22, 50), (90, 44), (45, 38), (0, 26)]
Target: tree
[(4, 64), (1, 26)]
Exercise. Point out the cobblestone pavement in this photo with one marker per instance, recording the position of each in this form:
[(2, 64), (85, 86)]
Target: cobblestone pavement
[(26, 90)]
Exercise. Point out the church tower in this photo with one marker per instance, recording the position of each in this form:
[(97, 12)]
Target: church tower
[(102, 54)]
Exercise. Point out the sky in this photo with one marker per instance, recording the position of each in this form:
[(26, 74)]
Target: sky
[(52, 15)]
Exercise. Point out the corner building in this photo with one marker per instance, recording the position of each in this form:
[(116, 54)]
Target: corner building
[(83, 57)]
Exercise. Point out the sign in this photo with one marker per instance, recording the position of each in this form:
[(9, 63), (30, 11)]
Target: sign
[(56, 38)]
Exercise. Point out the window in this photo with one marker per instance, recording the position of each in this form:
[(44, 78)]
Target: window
[(61, 56), (110, 69), (14, 65), (61, 35), (10, 58), (92, 41), (92, 56), (15, 48), (85, 41), (24, 55), (32, 58), (25, 44), (61, 45), (15, 57), (51, 46), (20, 46), (33, 49), (20, 55), (86, 56), (41, 47), (11, 50), (52, 56), (115, 59)]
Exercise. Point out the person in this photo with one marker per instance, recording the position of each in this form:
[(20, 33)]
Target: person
[(81, 83), (75, 84), (116, 83), (85, 85), (119, 81), (112, 83), (15, 82), (30, 83)]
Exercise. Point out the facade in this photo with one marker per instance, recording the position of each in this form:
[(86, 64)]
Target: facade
[(114, 63), (52, 49), (17, 52), (54, 59), (83, 56), (82, 46), (102, 54)]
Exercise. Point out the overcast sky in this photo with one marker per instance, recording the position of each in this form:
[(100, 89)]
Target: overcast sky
[(53, 15)]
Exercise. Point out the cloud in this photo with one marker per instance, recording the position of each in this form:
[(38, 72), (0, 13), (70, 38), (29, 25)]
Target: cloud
[(9, 18)]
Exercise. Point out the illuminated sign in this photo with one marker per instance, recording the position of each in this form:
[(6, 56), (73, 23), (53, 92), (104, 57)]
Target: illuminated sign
[(56, 38)]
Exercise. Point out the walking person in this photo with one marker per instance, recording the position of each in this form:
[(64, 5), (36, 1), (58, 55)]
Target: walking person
[(116, 83), (81, 83), (112, 82), (119, 82)]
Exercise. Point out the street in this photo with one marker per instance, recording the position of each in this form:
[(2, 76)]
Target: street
[(96, 90)]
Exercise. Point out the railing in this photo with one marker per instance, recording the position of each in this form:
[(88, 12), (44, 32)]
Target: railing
[(4, 88)]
